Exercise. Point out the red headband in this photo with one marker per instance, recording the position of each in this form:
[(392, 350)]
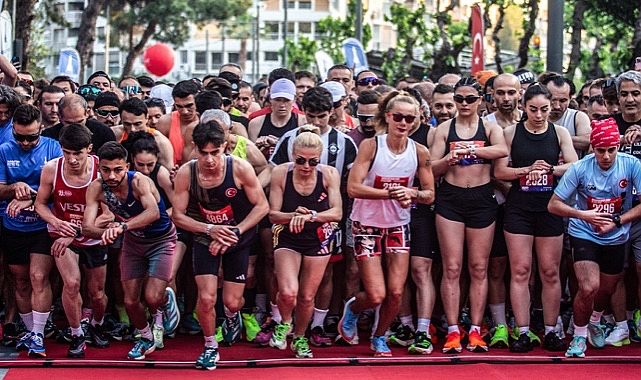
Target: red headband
[(605, 133)]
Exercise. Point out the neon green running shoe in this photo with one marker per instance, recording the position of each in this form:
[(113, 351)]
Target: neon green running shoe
[(252, 328), (500, 337)]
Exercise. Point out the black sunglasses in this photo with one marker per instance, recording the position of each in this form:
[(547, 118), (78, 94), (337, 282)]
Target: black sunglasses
[(468, 99), (107, 113), (397, 117), (369, 80), (364, 118), (488, 98), (608, 83), (154, 102), (88, 90), (27, 138), (302, 161)]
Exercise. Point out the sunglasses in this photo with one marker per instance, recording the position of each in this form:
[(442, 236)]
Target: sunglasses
[(27, 138), (364, 118), (106, 113), (27, 81), (131, 89), (608, 83), (370, 80), (488, 98), (154, 102), (468, 99), (302, 161), (88, 90), (397, 117)]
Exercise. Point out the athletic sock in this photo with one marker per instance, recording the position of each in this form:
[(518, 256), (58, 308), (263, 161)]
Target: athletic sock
[(276, 317), (581, 331), (158, 318), (146, 333), (549, 328), (595, 318), (498, 313), (77, 331), (318, 319), (407, 320), (210, 341), (39, 322), (423, 325), (27, 319), (524, 330)]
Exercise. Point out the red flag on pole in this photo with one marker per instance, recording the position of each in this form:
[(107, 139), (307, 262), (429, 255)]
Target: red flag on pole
[(477, 40)]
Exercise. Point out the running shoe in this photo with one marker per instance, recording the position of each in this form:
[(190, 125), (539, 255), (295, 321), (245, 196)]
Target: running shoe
[(577, 348), (232, 328), (208, 359), (422, 344), (252, 328), (189, 325), (379, 346), (99, 337), (318, 338), (523, 344), (618, 337), (500, 337), (219, 334), (24, 342), (142, 348), (607, 328), (347, 326), (77, 347), (279, 338), (159, 334), (596, 336), (37, 346), (84, 324), (476, 342), (535, 341), (171, 315), (453, 343), (10, 335), (634, 332), (64, 336), (403, 337), (558, 329), (552, 342), (331, 326), (300, 348), (51, 330), (120, 331), (266, 332)]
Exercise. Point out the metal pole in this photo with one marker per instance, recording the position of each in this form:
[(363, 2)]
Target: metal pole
[(555, 36), (359, 21), (223, 43), (285, 35), (207, 55), (254, 45), (107, 33), (257, 57)]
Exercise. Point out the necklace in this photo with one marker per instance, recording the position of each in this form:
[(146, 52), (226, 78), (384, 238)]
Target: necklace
[(205, 178), (535, 131)]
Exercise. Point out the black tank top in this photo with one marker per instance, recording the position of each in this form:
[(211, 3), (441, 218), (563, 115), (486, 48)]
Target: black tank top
[(223, 204), (420, 136), (269, 129), (479, 140), (154, 177), (317, 200), (526, 149)]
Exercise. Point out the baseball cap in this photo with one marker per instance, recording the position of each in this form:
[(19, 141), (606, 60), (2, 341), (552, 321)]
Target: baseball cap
[(337, 90), (233, 80), (283, 88), (524, 75)]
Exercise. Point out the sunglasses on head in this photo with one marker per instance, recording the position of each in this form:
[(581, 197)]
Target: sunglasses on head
[(27, 138), (107, 113), (608, 83), (302, 161), (154, 102), (468, 99), (88, 90), (364, 118), (131, 89), (397, 117), (369, 80)]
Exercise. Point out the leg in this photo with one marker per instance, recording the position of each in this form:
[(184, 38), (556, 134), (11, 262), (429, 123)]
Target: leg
[(96, 278), (287, 264), (397, 267), (39, 270), (520, 252), (548, 252), (425, 291), (23, 287), (205, 306), (479, 243), (588, 279), (70, 272), (135, 310), (312, 273), (450, 238)]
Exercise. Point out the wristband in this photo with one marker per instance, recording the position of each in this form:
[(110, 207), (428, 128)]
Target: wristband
[(78, 231), (236, 231)]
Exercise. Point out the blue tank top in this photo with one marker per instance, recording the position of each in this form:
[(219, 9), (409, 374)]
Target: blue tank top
[(132, 207)]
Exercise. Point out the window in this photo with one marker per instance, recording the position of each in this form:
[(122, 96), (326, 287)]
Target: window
[(73, 32), (233, 57), (200, 61), (99, 61), (250, 55), (305, 4), (271, 30), (183, 57), (216, 60), (76, 6), (58, 36), (100, 32), (291, 4), (305, 27), (272, 56), (291, 28), (114, 62)]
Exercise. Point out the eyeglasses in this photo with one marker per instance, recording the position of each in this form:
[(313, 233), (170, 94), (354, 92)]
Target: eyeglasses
[(302, 161), (369, 80), (397, 117), (131, 89), (107, 113), (608, 83), (27, 138), (468, 99), (88, 90), (364, 118), (154, 102), (27, 81)]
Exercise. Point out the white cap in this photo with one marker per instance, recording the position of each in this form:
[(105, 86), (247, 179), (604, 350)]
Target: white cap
[(337, 90), (283, 88)]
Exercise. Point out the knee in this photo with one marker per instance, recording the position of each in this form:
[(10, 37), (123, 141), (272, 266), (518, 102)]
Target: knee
[(520, 274), (39, 279), (305, 300), (588, 289), (352, 272), (234, 304), (451, 272), (421, 275), (207, 300), (22, 285), (550, 275), (131, 301), (394, 296), (72, 286), (376, 296), (287, 296), (97, 293), (478, 271)]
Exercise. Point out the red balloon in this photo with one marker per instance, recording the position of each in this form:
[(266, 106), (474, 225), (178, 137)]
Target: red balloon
[(159, 59)]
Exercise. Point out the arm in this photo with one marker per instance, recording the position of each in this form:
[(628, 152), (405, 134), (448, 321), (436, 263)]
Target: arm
[(238, 129), (145, 190), (567, 149), (94, 197), (557, 206), (9, 70), (502, 170), (166, 157), (165, 182), (189, 149), (440, 161), (498, 148), (247, 180), (265, 177), (45, 190), (254, 128), (164, 124), (355, 186), (255, 158), (426, 194), (582, 128), (276, 190)]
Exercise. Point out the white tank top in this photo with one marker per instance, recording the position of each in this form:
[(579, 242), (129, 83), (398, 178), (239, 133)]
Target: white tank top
[(388, 170), (567, 120)]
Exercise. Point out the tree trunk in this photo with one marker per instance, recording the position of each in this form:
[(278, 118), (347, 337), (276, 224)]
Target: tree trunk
[(87, 34), (529, 26), (242, 54), (24, 19), (575, 40), (594, 70), (444, 55), (135, 51), (636, 41), (497, 40)]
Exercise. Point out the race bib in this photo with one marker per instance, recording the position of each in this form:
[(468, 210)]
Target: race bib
[(28, 215), (386, 183), (542, 184), (607, 205), (470, 160), (326, 236), (223, 216)]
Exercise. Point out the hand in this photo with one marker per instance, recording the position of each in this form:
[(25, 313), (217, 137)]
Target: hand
[(540, 165), (599, 220), (15, 206), (23, 191), (297, 223), (632, 135), (111, 233), (223, 234), (604, 228), (103, 220), (59, 246), (173, 172), (535, 175), (401, 193), (65, 229), (302, 210)]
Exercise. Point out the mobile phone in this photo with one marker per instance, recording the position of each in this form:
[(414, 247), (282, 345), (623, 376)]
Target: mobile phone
[(637, 65)]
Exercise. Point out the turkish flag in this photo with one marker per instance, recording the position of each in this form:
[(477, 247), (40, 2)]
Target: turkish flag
[(477, 40)]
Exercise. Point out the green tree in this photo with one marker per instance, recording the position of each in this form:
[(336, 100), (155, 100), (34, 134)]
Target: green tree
[(453, 37), (336, 30), (87, 32), (167, 21), (300, 55), (530, 13)]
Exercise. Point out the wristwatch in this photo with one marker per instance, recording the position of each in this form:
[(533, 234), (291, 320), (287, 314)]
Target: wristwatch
[(314, 216), (551, 171), (124, 226), (208, 229), (617, 220)]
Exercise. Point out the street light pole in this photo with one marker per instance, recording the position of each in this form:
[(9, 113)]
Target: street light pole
[(285, 35), (359, 21)]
